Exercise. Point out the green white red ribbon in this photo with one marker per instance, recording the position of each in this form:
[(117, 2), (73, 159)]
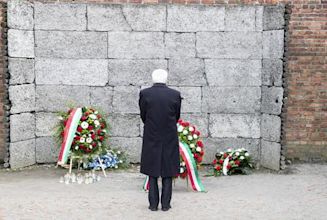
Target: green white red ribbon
[(69, 134), (192, 171)]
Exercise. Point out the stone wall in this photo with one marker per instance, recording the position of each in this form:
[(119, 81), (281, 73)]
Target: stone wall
[(225, 60)]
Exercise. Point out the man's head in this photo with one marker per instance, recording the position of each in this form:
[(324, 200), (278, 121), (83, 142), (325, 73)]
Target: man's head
[(159, 76)]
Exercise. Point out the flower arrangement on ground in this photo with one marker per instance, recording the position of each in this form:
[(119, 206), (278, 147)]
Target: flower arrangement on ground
[(232, 162)]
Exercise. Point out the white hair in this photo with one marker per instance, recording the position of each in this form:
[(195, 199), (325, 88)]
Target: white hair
[(159, 76)]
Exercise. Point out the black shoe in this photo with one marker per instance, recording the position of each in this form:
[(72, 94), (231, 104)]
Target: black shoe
[(153, 208), (166, 208)]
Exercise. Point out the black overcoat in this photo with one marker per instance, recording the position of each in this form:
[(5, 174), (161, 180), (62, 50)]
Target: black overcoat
[(160, 110)]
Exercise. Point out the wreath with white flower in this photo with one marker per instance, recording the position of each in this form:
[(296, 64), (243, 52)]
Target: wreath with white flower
[(232, 162), (90, 135), (188, 134)]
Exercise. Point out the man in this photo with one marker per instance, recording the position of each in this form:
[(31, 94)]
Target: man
[(160, 110)]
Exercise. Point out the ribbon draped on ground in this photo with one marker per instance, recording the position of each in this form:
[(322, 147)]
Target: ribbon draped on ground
[(69, 133), (192, 171)]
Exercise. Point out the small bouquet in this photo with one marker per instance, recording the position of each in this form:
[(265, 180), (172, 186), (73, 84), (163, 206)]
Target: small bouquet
[(189, 135), (113, 159), (232, 162)]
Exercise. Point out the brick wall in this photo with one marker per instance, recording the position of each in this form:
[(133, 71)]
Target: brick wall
[(2, 73), (305, 127)]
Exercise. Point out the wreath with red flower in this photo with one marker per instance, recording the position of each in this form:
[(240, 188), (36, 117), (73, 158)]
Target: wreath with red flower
[(188, 134), (91, 133)]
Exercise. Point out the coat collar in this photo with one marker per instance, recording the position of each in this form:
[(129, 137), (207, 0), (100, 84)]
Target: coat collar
[(159, 84)]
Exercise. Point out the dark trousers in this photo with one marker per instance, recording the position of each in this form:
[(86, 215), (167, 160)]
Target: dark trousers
[(165, 193)]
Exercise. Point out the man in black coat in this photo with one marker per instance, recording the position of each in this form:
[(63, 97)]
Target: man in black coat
[(160, 110)]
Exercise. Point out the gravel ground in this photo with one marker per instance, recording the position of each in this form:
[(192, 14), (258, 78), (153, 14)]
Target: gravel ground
[(35, 193)]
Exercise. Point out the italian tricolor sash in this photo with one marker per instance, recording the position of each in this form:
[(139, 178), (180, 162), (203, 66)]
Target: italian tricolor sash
[(192, 171), (69, 133)]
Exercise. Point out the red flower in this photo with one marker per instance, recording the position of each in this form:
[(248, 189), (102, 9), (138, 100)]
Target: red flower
[(183, 175), (81, 146), (230, 157), (229, 166), (99, 132), (197, 133), (70, 111), (196, 156), (221, 161), (79, 129), (93, 136), (77, 138), (218, 168), (90, 127), (202, 153), (65, 122), (199, 143), (214, 161), (86, 114), (237, 162), (94, 144), (62, 133), (180, 121), (101, 138), (99, 116), (83, 118), (199, 159), (103, 125), (225, 155)]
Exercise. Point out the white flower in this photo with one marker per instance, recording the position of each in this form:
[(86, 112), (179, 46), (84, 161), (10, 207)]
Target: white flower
[(104, 131), (241, 157), (90, 147), (82, 140), (89, 140), (247, 154), (221, 152), (185, 132), (237, 153), (183, 164), (229, 150), (93, 116), (84, 125), (195, 136), (76, 147), (96, 112), (118, 152), (242, 149), (96, 122), (192, 145), (189, 137), (191, 129), (116, 166), (99, 143), (120, 161), (60, 118), (181, 170), (238, 149), (180, 128), (198, 149)]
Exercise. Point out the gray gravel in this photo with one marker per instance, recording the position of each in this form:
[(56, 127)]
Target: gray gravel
[(300, 192)]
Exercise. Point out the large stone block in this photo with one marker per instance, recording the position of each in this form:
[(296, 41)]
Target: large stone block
[(58, 97), (214, 145), (272, 100), (180, 45), (191, 101), (125, 99), (124, 125), (273, 17), (273, 44), (132, 147), (47, 150), (20, 43), (199, 120), (107, 17), (231, 72), (133, 72), (136, 45), (234, 125), (46, 123), (240, 18), (22, 98), (101, 98), (70, 44), (22, 154), (60, 16), (20, 14), (193, 18), (22, 127), (231, 99), (272, 71), (186, 72), (91, 72), (145, 17), (259, 18), (21, 70), (247, 45), (270, 155), (270, 127)]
